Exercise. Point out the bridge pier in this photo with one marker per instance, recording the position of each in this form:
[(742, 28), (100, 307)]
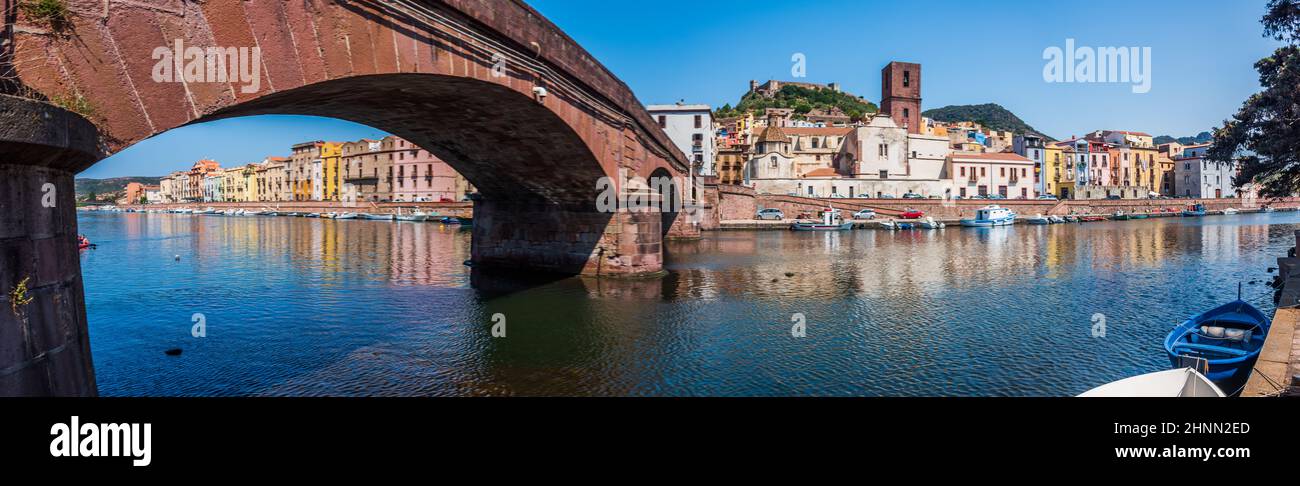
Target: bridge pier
[(44, 344), (558, 239)]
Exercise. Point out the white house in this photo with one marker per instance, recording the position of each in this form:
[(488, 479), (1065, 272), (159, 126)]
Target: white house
[(690, 127), (1007, 174)]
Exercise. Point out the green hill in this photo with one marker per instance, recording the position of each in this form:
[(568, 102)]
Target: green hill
[(1203, 137), (800, 99), (991, 115), (110, 188)]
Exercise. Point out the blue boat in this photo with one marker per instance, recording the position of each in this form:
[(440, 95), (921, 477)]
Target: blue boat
[(1195, 210), (988, 216), (1228, 338)]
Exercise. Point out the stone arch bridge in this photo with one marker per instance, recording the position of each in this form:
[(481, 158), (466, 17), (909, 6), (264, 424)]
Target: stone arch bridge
[(490, 86)]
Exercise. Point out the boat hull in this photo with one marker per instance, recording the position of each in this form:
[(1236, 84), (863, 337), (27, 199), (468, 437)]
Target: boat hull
[(987, 223), (820, 227)]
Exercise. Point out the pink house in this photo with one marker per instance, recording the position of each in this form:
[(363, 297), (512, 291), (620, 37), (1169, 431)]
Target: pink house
[(421, 176)]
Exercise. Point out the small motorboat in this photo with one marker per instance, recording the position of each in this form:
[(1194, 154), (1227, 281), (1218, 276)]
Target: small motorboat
[(412, 217), (1267, 209), (376, 216), (1227, 338), (831, 221), (1230, 211), (1072, 219), (252, 213), (930, 223), (1139, 216), (1092, 219), (1182, 382), (1038, 219), (1195, 210), (313, 215), (346, 216), (1120, 216), (888, 224), (989, 216), (1056, 219)]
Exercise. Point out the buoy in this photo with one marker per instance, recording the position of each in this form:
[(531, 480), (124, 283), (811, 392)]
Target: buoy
[(789, 274), (178, 258), (173, 352)]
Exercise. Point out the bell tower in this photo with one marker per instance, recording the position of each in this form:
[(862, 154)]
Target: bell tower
[(900, 96)]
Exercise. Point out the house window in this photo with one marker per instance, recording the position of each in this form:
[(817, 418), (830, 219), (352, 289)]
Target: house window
[(982, 172), (811, 191), (699, 121), (962, 170), (1002, 171), (884, 174), (907, 115), (1024, 193), (907, 78), (663, 121), (773, 161), (963, 192)]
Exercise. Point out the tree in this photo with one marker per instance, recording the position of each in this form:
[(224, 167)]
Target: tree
[(1264, 135)]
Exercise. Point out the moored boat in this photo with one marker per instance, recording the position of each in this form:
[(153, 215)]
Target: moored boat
[(1230, 211), (1038, 219), (1056, 219), (1182, 382), (376, 216), (930, 223), (1139, 216), (1228, 338), (990, 216), (346, 216), (1121, 216), (1195, 210), (831, 221)]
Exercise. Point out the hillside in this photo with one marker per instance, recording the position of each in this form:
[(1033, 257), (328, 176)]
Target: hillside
[(102, 188), (800, 99), (991, 115), (1203, 137)]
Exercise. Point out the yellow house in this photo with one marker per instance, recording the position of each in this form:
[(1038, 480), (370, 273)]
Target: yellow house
[(249, 175), (331, 153), (1060, 170), (232, 181)]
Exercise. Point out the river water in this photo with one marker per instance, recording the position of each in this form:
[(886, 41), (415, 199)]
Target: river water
[(299, 306)]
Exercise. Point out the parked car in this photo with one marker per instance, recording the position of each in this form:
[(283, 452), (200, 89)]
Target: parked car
[(912, 195), (770, 213), (1047, 197), (864, 214), (1112, 196), (913, 214)]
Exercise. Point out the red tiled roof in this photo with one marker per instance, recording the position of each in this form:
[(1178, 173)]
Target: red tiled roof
[(818, 131)]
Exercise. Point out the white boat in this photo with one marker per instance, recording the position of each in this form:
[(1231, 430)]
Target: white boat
[(991, 216), (930, 223), (1056, 219), (1038, 219), (252, 213), (382, 217), (1230, 211), (1267, 209), (412, 217), (346, 216), (1183, 382)]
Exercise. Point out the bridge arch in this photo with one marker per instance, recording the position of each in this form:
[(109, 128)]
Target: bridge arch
[(493, 88)]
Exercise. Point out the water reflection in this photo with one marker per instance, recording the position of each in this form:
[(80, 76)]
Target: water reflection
[(301, 306)]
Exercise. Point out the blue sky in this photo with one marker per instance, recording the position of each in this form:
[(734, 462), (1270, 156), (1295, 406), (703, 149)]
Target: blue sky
[(971, 52)]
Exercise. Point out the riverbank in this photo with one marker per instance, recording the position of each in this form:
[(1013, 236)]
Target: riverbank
[(755, 224), (1277, 372)]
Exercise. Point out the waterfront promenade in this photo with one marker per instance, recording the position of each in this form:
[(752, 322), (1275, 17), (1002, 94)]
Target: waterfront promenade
[(457, 209)]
